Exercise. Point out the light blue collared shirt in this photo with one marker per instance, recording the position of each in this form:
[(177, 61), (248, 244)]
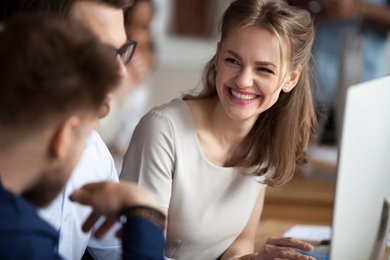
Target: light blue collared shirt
[(67, 217)]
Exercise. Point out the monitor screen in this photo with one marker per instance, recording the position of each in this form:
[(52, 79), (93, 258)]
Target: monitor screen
[(363, 174)]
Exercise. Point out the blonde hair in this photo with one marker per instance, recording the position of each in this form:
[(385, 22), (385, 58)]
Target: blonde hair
[(278, 140)]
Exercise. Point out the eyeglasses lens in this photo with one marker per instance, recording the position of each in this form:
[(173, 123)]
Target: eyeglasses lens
[(126, 52)]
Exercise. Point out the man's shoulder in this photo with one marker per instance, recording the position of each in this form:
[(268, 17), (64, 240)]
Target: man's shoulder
[(95, 141), (28, 246), (21, 222), (29, 242)]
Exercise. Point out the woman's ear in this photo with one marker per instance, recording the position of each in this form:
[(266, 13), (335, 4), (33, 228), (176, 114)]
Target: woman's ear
[(292, 79), (62, 139)]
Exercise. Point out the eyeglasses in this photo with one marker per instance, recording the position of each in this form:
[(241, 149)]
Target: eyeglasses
[(126, 51)]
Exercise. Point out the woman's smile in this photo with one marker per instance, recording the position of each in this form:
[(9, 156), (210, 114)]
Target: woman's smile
[(240, 97)]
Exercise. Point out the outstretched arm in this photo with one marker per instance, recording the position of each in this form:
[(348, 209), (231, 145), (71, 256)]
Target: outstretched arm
[(143, 229), (274, 248)]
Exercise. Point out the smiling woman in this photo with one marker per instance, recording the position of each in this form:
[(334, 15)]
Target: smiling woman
[(248, 78), (269, 57), (209, 156)]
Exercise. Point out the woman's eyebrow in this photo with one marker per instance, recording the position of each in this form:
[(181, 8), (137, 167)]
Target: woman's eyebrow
[(261, 63)]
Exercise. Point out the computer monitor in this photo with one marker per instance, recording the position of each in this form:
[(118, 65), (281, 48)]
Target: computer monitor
[(360, 217)]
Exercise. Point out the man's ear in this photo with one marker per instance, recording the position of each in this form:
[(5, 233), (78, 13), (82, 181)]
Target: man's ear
[(292, 79), (62, 139)]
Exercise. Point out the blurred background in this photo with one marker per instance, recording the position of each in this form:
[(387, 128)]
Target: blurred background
[(175, 39), (186, 33)]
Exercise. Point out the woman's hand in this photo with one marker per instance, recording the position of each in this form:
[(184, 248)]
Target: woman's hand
[(281, 248)]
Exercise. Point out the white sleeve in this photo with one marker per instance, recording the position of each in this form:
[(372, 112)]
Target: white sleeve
[(150, 158), (109, 247), (103, 160)]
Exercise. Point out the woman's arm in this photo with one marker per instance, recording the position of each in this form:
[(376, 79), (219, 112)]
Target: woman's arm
[(275, 248), (245, 242)]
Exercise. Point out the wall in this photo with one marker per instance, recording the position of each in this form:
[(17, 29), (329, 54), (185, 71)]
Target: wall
[(180, 62)]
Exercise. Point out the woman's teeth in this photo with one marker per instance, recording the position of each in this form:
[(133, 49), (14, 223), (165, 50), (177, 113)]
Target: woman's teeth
[(242, 96)]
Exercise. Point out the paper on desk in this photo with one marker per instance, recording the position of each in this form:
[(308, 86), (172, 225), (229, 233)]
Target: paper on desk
[(309, 232), (313, 233), (324, 154)]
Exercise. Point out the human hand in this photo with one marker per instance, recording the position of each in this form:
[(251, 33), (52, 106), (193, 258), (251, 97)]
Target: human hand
[(281, 248), (108, 199)]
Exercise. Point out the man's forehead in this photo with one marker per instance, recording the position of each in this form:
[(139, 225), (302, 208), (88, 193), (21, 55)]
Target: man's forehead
[(104, 20)]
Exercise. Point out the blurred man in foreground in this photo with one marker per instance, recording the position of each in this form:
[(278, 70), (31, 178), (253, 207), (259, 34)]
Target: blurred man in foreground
[(55, 79), (105, 19)]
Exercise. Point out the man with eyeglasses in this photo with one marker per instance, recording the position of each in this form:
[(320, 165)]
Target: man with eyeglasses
[(47, 110), (104, 18)]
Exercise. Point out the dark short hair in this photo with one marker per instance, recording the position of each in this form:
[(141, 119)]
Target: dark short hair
[(58, 7), (50, 68)]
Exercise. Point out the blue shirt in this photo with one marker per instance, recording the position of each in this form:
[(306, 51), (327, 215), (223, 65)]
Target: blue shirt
[(23, 234), (67, 217), (142, 240)]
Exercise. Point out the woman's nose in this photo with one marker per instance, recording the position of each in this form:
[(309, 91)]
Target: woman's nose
[(245, 78)]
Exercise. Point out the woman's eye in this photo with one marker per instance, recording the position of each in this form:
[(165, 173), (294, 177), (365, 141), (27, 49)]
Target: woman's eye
[(232, 61), (263, 69)]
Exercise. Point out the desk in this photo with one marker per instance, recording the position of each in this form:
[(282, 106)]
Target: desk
[(304, 199), (272, 227), (307, 199)]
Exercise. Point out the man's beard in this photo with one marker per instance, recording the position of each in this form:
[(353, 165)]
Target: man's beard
[(43, 192)]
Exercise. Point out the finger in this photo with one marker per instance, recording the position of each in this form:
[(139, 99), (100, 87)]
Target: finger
[(96, 186), (102, 230), (293, 254), (91, 220), (290, 242), (81, 196), (289, 253), (86, 195)]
